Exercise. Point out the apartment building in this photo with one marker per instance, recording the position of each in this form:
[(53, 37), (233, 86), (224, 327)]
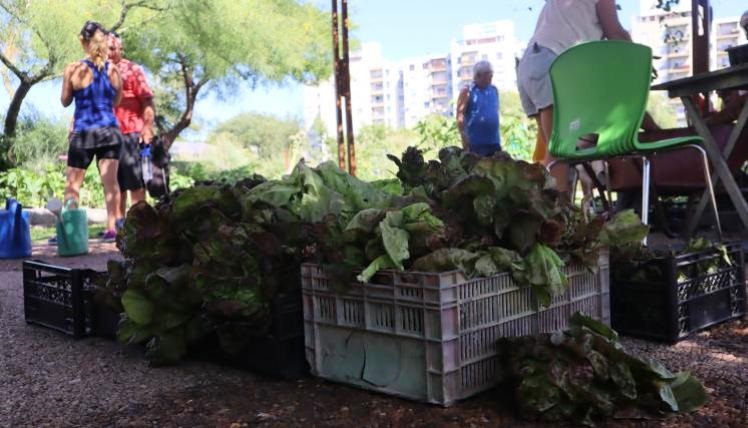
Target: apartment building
[(399, 94), (491, 41), (668, 33), (427, 88), (726, 33), (376, 93)]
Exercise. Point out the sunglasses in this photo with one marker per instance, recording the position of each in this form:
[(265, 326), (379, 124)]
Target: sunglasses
[(89, 29)]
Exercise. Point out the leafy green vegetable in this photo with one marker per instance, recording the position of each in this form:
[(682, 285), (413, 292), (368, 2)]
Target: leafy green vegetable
[(584, 375), (545, 273)]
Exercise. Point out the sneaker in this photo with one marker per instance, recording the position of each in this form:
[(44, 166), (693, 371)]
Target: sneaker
[(52, 241), (119, 224), (109, 236)]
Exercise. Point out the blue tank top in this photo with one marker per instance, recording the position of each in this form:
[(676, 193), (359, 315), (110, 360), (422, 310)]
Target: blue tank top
[(94, 104), (483, 116)]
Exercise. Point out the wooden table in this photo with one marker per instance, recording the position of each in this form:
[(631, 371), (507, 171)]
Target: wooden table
[(727, 78)]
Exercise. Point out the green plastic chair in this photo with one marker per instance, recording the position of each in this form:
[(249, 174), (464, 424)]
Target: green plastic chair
[(601, 88)]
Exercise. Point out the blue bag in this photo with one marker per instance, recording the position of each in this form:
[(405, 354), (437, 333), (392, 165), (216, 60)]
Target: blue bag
[(15, 231)]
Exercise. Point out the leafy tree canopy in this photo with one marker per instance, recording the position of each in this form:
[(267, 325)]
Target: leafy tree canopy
[(197, 46)]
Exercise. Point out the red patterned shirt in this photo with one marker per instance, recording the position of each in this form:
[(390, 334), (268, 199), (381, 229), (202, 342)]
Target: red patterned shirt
[(135, 93)]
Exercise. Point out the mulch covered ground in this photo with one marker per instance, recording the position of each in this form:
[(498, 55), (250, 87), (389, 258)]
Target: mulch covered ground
[(47, 379)]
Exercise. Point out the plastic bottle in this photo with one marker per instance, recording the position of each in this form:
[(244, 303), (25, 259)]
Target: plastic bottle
[(145, 161)]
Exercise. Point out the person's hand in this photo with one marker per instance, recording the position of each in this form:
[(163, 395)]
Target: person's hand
[(146, 137)]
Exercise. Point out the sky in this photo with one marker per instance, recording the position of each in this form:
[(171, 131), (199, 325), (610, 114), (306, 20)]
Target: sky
[(403, 28)]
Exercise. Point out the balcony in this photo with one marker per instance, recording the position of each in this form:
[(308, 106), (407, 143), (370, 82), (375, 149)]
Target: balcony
[(680, 53), (438, 65)]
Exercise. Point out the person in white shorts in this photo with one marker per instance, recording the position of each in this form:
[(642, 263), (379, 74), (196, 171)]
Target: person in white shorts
[(561, 25)]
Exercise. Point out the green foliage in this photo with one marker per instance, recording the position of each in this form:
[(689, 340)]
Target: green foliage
[(373, 143), (179, 181), (262, 143), (43, 35), (437, 131), (265, 135), (662, 111), (212, 257), (39, 142), (185, 50), (518, 132), (584, 375), (666, 5), (31, 188), (39, 38), (34, 188)]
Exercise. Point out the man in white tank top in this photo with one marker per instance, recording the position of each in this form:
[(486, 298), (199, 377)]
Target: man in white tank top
[(561, 25)]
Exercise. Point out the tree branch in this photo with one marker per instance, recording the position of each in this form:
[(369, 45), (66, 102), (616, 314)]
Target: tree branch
[(126, 7), (12, 67)]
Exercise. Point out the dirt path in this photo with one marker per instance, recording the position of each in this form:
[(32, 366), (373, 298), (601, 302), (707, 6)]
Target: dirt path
[(51, 380)]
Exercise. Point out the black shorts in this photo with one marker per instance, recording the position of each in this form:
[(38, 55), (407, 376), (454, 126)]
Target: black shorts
[(102, 143), (130, 171), (82, 158)]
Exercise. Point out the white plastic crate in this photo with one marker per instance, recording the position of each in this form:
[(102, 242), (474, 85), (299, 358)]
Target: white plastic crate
[(432, 336)]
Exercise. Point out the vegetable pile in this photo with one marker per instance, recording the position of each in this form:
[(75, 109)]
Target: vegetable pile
[(584, 374), (212, 257), (208, 261)]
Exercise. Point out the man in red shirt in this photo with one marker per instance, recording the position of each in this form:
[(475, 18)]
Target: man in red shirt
[(135, 114)]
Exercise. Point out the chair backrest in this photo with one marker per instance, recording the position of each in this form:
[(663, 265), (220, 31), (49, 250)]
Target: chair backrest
[(599, 88)]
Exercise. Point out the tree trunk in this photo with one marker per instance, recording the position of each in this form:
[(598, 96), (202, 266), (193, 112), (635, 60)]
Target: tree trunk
[(11, 118), (11, 123), (186, 118), (191, 90)]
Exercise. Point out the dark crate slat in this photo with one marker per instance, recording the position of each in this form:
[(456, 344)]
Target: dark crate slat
[(670, 311)]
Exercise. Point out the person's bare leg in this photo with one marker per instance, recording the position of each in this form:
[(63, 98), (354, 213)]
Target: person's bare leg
[(123, 202), (137, 196), (108, 172), (541, 144), (560, 171), (73, 182)]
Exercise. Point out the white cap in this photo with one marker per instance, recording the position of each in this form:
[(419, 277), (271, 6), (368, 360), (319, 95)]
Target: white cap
[(482, 66)]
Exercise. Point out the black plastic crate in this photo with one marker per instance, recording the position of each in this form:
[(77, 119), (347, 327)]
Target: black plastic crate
[(281, 353), (277, 352), (104, 319), (62, 299), (689, 297)]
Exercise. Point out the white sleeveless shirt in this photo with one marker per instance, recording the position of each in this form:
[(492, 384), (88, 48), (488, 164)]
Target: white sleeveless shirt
[(565, 23)]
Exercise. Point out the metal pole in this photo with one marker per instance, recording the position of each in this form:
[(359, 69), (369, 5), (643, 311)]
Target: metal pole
[(336, 73), (346, 89), (700, 22)]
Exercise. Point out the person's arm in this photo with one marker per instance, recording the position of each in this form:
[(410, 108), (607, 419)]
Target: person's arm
[(462, 102), (607, 14), (116, 81), (145, 96), (66, 97), (149, 114)]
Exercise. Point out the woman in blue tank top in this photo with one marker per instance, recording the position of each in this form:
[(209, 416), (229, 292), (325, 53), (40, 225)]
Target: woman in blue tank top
[(478, 112), (96, 87)]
